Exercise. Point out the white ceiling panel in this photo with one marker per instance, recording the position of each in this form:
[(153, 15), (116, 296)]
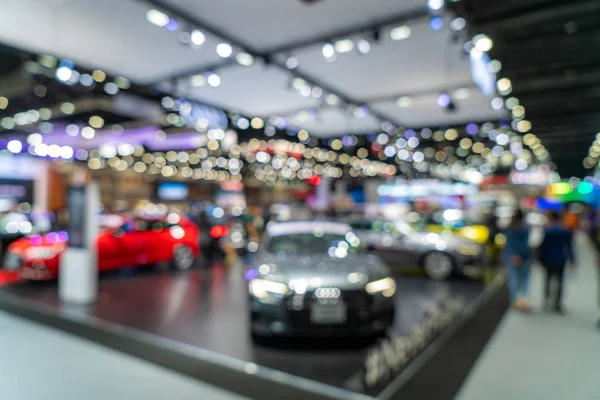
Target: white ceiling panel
[(112, 35), (258, 90), (337, 122), (424, 111), (427, 60), (265, 24)]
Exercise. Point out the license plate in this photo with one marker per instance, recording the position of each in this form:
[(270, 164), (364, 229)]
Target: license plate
[(12, 261), (328, 313)]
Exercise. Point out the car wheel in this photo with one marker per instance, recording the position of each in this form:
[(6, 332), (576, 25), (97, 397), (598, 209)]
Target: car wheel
[(183, 258), (438, 265)]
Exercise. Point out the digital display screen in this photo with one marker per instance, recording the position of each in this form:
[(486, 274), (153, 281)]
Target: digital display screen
[(172, 191)]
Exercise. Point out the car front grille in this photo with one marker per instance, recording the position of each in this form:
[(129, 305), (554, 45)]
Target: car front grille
[(358, 304)]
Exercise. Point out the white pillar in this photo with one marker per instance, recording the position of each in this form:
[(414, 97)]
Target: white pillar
[(78, 272)]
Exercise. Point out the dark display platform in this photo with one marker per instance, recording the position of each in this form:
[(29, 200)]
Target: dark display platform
[(208, 310)]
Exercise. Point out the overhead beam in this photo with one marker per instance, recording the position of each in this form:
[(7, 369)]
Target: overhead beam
[(189, 72), (369, 27), (421, 93)]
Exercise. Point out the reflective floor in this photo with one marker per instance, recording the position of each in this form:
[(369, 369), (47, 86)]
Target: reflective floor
[(40, 363), (208, 308)]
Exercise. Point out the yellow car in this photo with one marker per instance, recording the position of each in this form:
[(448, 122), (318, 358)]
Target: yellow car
[(476, 233)]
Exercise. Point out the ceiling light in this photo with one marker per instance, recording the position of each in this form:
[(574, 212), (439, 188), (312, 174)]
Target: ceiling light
[(291, 62), (45, 114), (504, 86), (244, 59), (67, 108), (298, 83), (99, 76), (483, 43), (332, 99), (86, 80), (157, 18), (521, 164), (494, 66), (96, 122), (47, 61), (400, 32), (123, 83), (436, 23), (35, 139), (497, 103), (172, 25), (443, 100), (88, 132), (197, 81), (224, 50), (3, 102), (363, 46), (63, 74), (360, 112), (213, 79), (257, 123), (458, 24), (462, 94), (511, 102), (14, 146), (72, 130), (243, 123), (305, 91), (502, 139), (328, 50), (197, 38), (344, 46), (518, 112), (524, 126), (435, 4), (404, 101), (111, 88), (317, 92)]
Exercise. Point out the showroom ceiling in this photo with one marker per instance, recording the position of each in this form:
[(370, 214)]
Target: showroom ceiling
[(550, 50), (115, 36)]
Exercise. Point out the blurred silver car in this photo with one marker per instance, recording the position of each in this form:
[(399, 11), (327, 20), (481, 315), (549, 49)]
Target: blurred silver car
[(313, 278), (439, 254)]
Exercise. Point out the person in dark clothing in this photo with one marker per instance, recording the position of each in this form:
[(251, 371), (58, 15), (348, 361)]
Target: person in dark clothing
[(518, 258), (554, 253)]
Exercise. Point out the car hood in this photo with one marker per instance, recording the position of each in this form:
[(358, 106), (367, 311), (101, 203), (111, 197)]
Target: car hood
[(55, 240), (321, 270)]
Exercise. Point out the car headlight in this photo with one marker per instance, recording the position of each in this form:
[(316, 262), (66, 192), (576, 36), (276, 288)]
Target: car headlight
[(268, 291), (386, 287), (41, 253), (470, 250)]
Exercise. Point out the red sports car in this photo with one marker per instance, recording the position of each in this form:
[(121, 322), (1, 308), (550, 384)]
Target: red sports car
[(136, 241)]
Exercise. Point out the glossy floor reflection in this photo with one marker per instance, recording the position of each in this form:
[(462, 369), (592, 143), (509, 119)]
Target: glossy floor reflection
[(209, 309)]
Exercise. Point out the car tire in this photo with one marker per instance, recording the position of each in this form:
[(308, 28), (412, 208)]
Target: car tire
[(183, 258), (438, 265)]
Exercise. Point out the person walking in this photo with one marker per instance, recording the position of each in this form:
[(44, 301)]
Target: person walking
[(518, 257), (555, 252)]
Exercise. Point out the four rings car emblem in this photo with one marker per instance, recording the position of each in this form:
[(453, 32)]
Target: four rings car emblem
[(328, 293)]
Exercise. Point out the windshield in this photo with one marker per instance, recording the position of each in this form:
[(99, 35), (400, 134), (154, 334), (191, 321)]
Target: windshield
[(313, 243)]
